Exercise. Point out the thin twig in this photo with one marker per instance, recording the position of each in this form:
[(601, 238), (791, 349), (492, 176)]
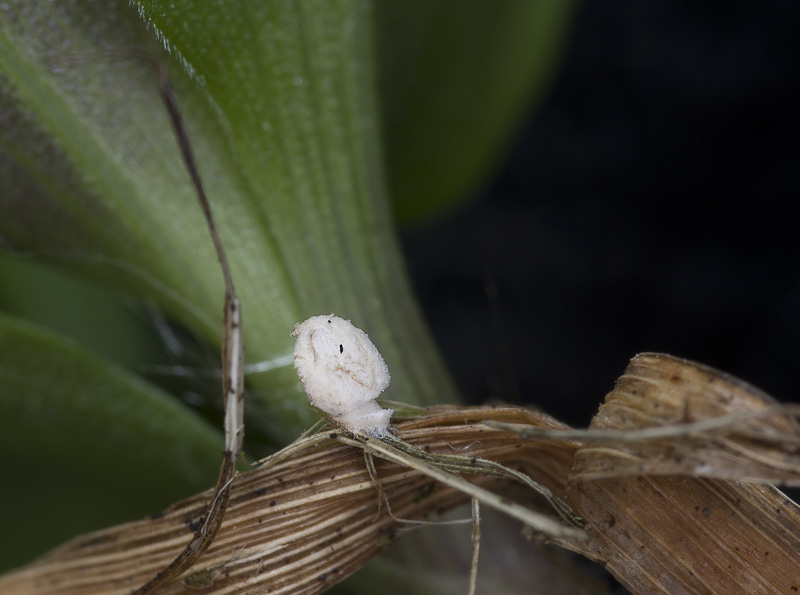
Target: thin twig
[(724, 424), (232, 368), (476, 546), (390, 451)]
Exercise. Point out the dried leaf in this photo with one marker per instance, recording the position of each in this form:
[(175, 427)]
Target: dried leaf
[(659, 526), (298, 526), (660, 391), (667, 509)]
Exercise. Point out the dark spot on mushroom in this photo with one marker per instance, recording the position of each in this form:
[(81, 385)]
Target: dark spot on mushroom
[(272, 503), (261, 491), (341, 348)]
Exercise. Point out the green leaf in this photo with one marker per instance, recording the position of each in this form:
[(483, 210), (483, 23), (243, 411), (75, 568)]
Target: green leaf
[(92, 315), (281, 106), (455, 79), (281, 113), (84, 444)]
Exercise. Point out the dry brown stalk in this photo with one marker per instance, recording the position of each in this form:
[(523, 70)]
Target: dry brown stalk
[(668, 511), (299, 526), (661, 526)]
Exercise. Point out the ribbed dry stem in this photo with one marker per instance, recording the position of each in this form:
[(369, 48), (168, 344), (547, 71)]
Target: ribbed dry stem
[(298, 526), (668, 511), (663, 391), (660, 525)]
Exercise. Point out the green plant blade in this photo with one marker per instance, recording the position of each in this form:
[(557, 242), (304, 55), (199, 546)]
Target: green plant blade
[(456, 76), (281, 115), (84, 444), (92, 315)]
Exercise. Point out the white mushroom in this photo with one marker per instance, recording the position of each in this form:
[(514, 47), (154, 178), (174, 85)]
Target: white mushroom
[(342, 373)]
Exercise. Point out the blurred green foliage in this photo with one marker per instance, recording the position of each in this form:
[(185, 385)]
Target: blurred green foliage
[(315, 124)]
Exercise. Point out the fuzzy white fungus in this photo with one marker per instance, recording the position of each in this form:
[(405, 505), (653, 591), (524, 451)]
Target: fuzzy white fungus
[(342, 373)]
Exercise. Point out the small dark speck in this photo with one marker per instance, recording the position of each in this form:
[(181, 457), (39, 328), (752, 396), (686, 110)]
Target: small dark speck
[(332, 436), (272, 503), (329, 322), (472, 461), (706, 511), (427, 448), (766, 553), (280, 480), (101, 539), (697, 508), (286, 560), (333, 477), (794, 588), (341, 348), (322, 577), (518, 446), (260, 491)]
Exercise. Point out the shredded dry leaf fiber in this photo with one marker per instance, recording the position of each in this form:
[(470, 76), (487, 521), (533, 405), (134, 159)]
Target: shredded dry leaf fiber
[(658, 532), (299, 526)]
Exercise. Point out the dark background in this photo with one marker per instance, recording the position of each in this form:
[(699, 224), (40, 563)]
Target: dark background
[(646, 205)]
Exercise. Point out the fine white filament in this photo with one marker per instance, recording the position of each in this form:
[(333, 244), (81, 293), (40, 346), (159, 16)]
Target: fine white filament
[(342, 373)]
